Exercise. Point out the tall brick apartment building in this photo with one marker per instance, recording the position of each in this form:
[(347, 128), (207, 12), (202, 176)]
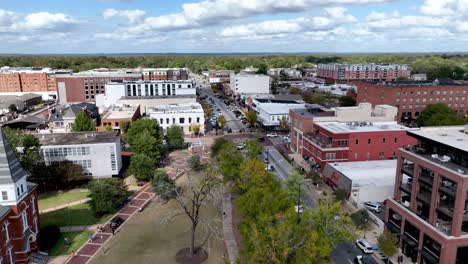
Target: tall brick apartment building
[(28, 80), (429, 209), (165, 74), (19, 213), (363, 72), (411, 97)]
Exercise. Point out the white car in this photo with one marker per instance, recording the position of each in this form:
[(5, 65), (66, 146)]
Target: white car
[(272, 135), (241, 146), (365, 246), (374, 207)]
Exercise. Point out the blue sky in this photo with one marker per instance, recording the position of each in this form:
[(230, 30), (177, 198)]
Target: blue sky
[(130, 26)]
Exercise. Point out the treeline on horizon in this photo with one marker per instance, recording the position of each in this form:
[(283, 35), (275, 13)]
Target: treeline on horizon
[(436, 66)]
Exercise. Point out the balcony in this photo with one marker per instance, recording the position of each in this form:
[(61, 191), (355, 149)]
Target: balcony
[(449, 190), (408, 169), (406, 187), (426, 179), (425, 154), (424, 197), (318, 141)]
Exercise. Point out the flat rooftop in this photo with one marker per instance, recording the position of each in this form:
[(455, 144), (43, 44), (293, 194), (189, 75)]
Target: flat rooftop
[(148, 82), (410, 83), (353, 127), (453, 136), (278, 108), (120, 112), (312, 110), (77, 138), (176, 108), (368, 173)]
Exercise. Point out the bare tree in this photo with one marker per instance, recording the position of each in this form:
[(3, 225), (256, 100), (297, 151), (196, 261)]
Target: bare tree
[(192, 197)]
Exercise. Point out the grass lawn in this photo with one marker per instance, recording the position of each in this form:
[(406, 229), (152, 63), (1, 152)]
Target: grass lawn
[(145, 239), (80, 214), (77, 239), (53, 199)]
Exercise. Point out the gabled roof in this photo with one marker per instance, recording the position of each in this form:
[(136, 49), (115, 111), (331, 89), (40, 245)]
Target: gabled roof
[(10, 167)]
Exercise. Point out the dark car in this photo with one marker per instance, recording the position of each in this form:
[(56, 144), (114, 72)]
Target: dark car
[(116, 222)]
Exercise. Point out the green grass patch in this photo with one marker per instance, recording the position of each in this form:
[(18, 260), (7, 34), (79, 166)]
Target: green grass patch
[(77, 239), (80, 214), (53, 199)]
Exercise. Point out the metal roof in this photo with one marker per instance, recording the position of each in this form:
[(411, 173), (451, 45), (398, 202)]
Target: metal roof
[(10, 167)]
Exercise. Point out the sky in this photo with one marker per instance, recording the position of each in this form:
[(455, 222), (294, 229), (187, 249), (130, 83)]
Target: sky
[(225, 26)]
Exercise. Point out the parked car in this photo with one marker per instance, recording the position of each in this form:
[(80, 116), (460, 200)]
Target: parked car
[(271, 135), (374, 207), (116, 222), (241, 146), (360, 259), (269, 167), (364, 245)]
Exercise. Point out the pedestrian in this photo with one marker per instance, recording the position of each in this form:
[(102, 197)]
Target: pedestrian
[(90, 237), (72, 254), (113, 230)]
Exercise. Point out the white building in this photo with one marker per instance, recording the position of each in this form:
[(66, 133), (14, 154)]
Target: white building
[(116, 90), (98, 153), (364, 180), (274, 71), (337, 88), (251, 84), (271, 111), (419, 77), (292, 73), (183, 115)]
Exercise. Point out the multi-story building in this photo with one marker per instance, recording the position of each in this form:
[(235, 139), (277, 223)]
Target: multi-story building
[(61, 117), (19, 212), (270, 112), (412, 97), (354, 141), (84, 86), (429, 209), (302, 120), (19, 80), (250, 84), (354, 72), (183, 115), (116, 91), (98, 153), (219, 76), (114, 115), (165, 74)]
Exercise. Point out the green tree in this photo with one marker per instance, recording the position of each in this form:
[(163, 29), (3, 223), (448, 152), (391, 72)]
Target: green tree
[(194, 162), (262, 69), (221, 121), (195, 129), (360, 218), (438, 115), (175, 136), (151, 126), (141, 166), (274, 85), (293, 186), (340, 195), (106, 194), (82, 123), (253, 148), (12, 108), (284, 123), (107, 127), (124, 127), (347, 101), (229, 160), (217, 146), (251, 117), (146, 144), (162, 184), (388, 243)]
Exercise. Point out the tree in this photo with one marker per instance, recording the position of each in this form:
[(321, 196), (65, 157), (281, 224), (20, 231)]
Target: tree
[(294, 187), (262, 69), (251, 117), (151, 126), (438, 115), (295, 90), (175, 136), (253, 148), (360, 218), (388, 243), (195, 129), (340, 195), (141, 166), (284, 123), (229, 160), (221, 121), (82, 123), (217, 146), (107, 127), (347, 101), (194, 162), (274, 85), (162, 184), (124, 126), (146, 144), (106, 194), (12, 108)]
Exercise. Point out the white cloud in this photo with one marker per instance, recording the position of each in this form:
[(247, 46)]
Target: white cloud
[(133, 16), (445, 7), (47, 21), (7, 18)]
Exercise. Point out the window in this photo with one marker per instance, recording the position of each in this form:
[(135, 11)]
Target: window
[(24, 220), (113, 160), (6, 234), (368, 155), (396, 140), (355, 156), (384, 140), (173, 120), (33, 205), (198, 120), (357, 141), (369, 141), (22, 189), (190, 120), (4, 195), (381, 154), (167, 121), (17, 191), (330, 156), (161, 121), (181, 120)]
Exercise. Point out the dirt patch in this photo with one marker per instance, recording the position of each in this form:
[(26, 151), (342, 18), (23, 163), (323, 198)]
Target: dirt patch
[(184, 256)]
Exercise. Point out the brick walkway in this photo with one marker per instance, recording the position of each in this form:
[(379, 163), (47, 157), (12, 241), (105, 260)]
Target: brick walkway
[(230, 241), (90, 248)]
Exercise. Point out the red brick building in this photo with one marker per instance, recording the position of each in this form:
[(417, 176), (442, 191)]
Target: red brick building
[(429, 209), (19, 213), (354, 141), (411, 97), (27, 80), (370, 72)]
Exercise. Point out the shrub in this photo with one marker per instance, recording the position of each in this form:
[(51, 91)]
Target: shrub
[(340, 194), (194, 162), (360, 218), (48, 237)]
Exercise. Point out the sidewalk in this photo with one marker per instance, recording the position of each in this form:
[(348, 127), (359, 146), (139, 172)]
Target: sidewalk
[(78, 228), (91, 248), (230, 241), (64, 205)]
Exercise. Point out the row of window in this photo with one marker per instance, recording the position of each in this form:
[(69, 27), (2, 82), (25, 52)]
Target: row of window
[(181, 120), (423, 106), (68, 151), (113, 159), (369, 141), (430, 92), (85, 164)]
